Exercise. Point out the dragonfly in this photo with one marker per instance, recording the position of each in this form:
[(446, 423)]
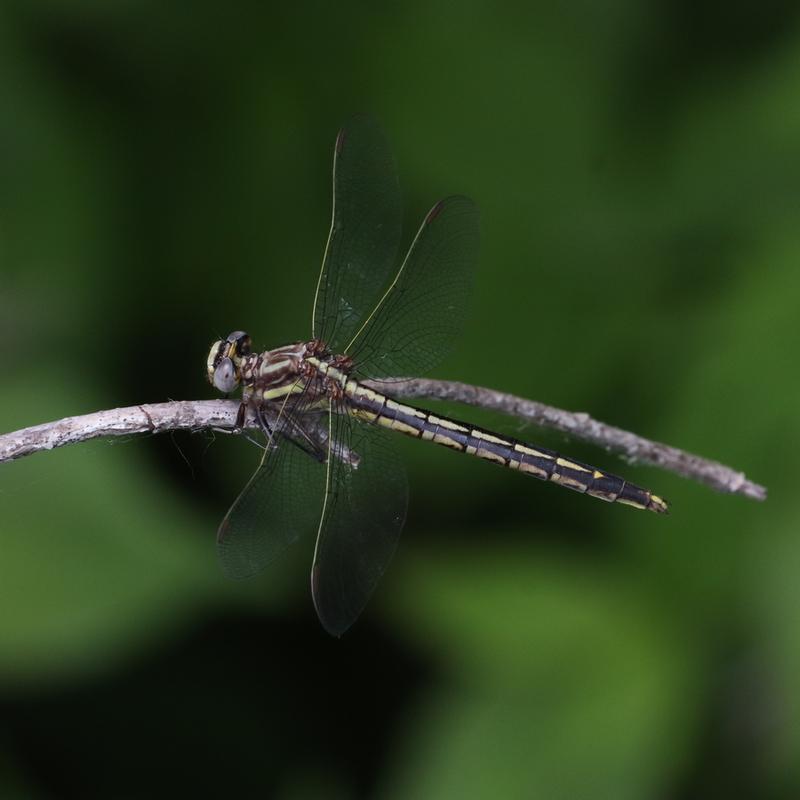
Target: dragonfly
[(329, 465)]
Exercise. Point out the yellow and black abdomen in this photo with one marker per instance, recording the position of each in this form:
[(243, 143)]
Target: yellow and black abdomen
[(539, 462)]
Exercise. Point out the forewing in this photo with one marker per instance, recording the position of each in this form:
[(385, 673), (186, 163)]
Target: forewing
[(421, 314), (282, 501), (364, 515), (364, 236)]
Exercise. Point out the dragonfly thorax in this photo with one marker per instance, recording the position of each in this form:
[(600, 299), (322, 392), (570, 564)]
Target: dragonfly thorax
[(266, 375), (304, 367)]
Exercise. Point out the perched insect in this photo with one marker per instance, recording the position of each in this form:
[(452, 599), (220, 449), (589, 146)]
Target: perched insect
[(329, 465)]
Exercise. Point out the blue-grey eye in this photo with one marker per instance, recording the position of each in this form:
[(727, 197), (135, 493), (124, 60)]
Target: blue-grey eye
[(225, 378)]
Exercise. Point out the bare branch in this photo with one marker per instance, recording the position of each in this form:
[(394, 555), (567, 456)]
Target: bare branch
[(151, 418), (221, 414), (176, 415), (578, 425)]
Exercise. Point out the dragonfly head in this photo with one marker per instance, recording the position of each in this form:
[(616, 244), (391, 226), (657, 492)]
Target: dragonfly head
[(224, 361)]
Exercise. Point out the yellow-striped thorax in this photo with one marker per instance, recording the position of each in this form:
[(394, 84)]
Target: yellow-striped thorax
[(273, 374)]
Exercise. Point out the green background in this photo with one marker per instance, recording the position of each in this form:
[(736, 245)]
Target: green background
[(165, 178)]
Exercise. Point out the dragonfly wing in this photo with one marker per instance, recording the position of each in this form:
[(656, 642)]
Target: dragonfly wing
[(364, 235), (282, 501), (364, 514), (421, 314)]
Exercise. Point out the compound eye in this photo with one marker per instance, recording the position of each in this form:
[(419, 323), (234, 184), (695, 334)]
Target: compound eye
[(225, 378), (241, 343)]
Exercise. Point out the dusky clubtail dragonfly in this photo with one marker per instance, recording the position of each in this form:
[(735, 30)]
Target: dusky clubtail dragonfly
[(370, 319)]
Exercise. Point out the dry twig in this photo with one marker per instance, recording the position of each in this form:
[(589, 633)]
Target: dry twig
[(221, 414), (579, 425)]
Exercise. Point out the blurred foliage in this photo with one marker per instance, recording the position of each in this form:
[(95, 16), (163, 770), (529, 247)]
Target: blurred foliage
[(164, 178)]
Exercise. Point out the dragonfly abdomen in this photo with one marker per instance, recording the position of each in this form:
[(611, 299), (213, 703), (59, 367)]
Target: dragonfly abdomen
[(541, 463)]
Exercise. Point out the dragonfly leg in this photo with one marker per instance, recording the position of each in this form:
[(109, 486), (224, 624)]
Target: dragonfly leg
[(296, 434), (240, 417)]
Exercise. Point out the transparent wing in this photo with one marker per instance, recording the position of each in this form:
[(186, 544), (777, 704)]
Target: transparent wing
[(364, 515), (422, 313), (364, 236), (281, 502)]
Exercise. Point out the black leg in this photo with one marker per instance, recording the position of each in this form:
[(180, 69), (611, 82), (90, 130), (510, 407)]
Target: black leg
[(239, 426)]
